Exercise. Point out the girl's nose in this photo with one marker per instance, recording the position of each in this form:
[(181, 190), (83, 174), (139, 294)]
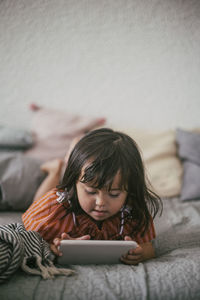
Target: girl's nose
[(100, 200)]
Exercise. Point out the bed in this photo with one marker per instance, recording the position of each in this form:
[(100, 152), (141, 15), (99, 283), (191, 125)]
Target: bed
[(173, 274)]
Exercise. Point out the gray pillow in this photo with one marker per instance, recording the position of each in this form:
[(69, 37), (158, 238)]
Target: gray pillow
[(14, 138), (20, 176), (189, 152)]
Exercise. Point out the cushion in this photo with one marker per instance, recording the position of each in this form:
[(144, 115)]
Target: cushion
[(20, 176), (189, 151), (189, 145), (54, 130), (15, 138), (163, 166)]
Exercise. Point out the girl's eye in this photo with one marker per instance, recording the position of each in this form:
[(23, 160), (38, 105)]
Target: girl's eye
[(114, 195), (94, 192), (90, 192)]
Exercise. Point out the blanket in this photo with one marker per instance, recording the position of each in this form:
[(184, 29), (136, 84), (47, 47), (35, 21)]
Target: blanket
[(26, 249), (173, 275)]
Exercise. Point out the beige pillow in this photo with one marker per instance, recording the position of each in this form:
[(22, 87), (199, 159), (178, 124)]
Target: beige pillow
[(163, 167)]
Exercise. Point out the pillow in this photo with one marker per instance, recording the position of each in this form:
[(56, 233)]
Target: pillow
[(20, 177), (163, 167), (189, 145), (54, 130), (15, 138), (189, 152)]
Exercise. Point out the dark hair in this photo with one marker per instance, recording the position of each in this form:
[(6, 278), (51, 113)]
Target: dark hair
[(104, 152)]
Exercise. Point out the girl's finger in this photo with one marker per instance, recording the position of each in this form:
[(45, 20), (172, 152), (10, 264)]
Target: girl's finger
[(132, 257), (84, 237), (130, 262), (55, 250), (128, 238), (65, 236), (56, 241), (136, 251)]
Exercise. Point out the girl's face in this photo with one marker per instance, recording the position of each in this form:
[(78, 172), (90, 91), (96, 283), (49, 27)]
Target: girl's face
[(101, 204)]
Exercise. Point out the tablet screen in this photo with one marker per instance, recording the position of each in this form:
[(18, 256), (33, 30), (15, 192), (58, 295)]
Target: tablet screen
[(93, 251)]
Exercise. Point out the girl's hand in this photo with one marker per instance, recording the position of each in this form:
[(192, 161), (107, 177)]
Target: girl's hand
[(135, 256), (64, 236)]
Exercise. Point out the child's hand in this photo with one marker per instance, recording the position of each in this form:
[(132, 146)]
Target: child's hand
[(64, 236), (139, 254), (134, 256)]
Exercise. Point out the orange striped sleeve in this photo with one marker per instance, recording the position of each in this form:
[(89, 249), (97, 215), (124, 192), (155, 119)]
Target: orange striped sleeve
[(148, 236), (48, 217)]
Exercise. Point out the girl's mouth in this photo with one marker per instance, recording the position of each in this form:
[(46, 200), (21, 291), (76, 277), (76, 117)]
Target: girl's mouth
[(99, 212)]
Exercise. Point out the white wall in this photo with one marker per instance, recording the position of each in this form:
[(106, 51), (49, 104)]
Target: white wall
[(137, 62)]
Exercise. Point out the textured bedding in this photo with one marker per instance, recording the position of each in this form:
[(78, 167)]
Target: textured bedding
[(174, 274)]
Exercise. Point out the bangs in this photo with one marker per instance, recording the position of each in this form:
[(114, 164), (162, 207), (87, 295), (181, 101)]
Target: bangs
[(101, 173)]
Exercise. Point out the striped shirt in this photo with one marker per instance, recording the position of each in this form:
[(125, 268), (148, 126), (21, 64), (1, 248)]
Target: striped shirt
[(51, 218)]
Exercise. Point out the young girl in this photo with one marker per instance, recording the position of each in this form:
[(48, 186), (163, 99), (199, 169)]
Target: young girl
[(103, 196)]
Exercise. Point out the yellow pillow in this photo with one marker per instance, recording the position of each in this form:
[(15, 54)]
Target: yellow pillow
[(162, 165)]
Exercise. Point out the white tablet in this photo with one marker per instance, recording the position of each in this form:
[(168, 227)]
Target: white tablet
[(93, 251)]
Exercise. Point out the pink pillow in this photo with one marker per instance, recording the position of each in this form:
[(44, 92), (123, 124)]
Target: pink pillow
[(54, 130)]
